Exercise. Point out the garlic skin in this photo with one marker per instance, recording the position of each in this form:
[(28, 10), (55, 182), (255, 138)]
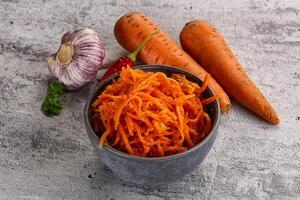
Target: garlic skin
[(78, 59)]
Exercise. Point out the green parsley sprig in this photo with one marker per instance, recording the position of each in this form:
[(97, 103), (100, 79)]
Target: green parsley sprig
[(52, 105)]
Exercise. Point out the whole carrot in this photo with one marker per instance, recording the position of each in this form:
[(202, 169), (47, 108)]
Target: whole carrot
[(128, 60), (131, 29), (207, 46)]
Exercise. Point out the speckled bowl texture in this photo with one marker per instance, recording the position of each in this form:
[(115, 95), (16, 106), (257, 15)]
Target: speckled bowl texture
[(160, 170)]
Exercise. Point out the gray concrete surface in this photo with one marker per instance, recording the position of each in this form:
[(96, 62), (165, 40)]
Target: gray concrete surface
[(43, 158)]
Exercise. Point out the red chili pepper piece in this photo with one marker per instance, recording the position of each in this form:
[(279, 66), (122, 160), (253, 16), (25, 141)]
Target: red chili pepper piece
[(117, 66), (128, 60)]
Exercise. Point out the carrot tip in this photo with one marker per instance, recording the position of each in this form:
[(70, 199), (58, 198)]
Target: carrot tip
[(226, 108)]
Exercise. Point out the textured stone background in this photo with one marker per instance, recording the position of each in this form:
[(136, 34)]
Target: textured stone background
[(43, 158)]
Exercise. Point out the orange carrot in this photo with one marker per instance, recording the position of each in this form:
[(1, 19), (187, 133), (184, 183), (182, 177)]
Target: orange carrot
[(125, 139), (131, 29), (207, 46)]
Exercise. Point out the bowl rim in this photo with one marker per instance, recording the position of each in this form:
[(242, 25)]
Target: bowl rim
[(129, 156)]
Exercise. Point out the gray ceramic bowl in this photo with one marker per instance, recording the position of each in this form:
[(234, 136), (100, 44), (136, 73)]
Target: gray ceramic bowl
[(160, 170)]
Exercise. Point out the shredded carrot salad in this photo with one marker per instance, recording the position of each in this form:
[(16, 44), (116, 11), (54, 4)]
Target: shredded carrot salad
[(151, 115)]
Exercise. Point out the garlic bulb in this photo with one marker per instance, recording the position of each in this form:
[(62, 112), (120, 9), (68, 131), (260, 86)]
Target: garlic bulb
[(78, 59)]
